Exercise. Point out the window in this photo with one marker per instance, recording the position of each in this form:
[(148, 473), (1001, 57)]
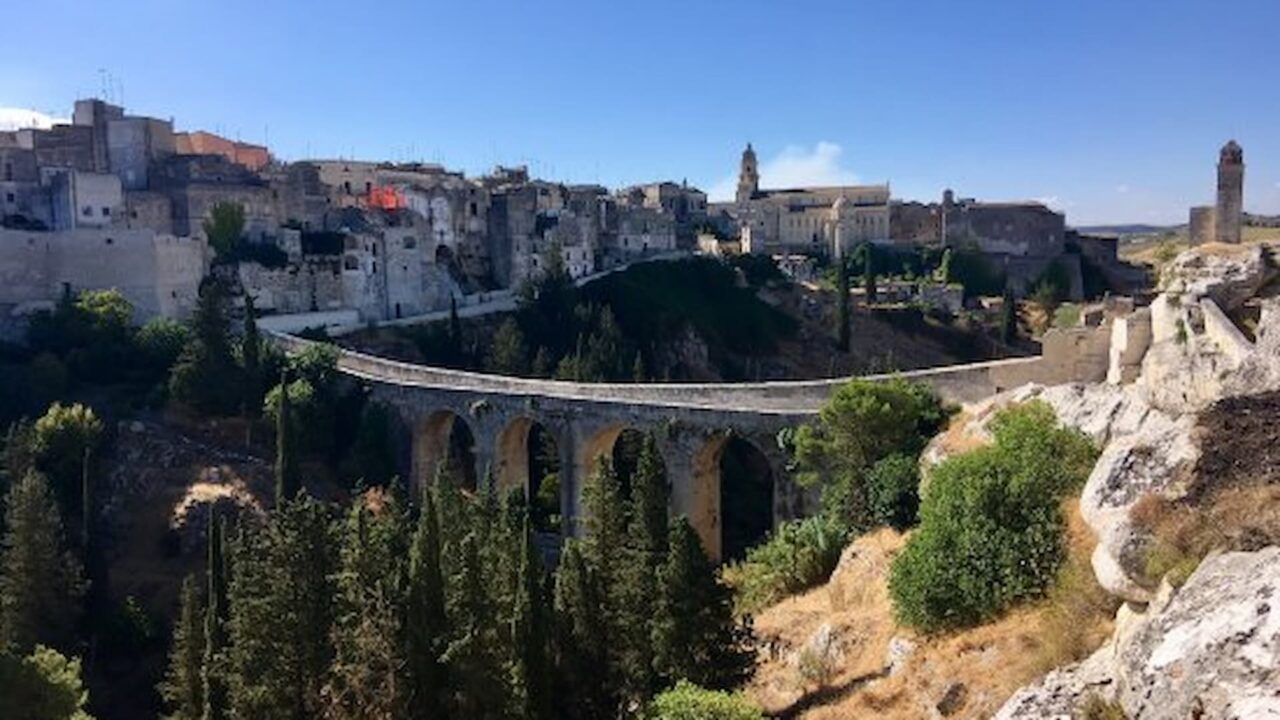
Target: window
[(133, 214), (473, 209), (346, 186), (110, 241), (350, 263), (410, 243), (106, 212), (8, 172), (9, 197), (86, 211)]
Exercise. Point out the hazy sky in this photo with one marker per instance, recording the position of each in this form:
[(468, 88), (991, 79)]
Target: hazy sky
[(1112, 110)]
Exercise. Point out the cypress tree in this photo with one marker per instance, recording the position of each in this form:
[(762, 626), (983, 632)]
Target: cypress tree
[(367, 678), (250, 355), (214, 684), (842, 305), (637, 369), (286, 470), (529, 624), (869, 272), (1008, 317), (41, 581), (455, 330), (281, 597), (605, 521), (478, 677), (183, 686), (645, 549), (696, 636), (425, 624), (581, 654)]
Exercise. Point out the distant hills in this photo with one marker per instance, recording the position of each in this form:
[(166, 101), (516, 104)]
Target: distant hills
[(1134, 229)]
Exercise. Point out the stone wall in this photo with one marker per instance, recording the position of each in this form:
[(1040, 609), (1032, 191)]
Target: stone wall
[(159, 274)]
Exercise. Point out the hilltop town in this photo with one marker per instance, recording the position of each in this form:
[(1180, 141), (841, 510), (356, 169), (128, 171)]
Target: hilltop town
[(125, 201)]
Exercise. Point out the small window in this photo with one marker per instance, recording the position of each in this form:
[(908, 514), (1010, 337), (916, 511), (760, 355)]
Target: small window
[(10, 197), (410, 243), (133, 214), (368, 187), (86, 211), (111, 241), (350, 263), (106, 212)]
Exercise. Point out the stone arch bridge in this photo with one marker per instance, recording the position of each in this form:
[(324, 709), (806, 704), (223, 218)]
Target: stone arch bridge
[(692, 422)]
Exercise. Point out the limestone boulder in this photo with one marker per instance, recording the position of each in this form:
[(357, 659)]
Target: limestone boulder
[(1213, 652), (1228, 274), (1060, 694), (1156, 459)]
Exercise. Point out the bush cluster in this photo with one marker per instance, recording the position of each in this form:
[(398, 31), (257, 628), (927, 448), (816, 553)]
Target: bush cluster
[(799, 555), (687, 701), (991, 529)]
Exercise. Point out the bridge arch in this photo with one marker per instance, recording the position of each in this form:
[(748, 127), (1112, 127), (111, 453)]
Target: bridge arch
[(527, 456), (443, 437), (731, 499)]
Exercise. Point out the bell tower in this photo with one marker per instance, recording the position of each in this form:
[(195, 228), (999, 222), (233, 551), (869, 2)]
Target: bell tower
[(1230, 193), (748, 175)]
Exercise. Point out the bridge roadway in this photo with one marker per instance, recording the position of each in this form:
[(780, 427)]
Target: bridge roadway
[(692, 422)]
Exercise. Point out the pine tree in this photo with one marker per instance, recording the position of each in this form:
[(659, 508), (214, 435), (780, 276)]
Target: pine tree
[(215, 638), (425, 622), (90, 551), (581, 650), (183, 686), (529, 624), (478, 678), (696, 637), (41, 581), (645, 550), (842, 305), (368, 676), (286, 471)]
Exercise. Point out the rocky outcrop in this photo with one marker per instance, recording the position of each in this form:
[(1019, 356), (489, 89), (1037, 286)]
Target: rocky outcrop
[(1214, 650), (1210, 650)]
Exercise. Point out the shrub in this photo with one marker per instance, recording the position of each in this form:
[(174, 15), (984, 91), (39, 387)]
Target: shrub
[(687, 701), (892, 487), (1076, 619), (160, 340), (799, 555), (45, 685), (990, 526)]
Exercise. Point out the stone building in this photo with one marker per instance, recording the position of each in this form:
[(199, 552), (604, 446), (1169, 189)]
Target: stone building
[(1221, 221), (254, 157), (804, 220)]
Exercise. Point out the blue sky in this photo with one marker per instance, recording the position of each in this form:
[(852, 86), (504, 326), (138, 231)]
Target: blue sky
[(1109, 110)]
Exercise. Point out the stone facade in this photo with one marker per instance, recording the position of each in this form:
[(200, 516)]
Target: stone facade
[(821, 220)]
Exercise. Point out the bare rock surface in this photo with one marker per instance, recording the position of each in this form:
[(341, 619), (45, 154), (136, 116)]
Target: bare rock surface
[(1210, 650), (1214, 651), (1227, 274)]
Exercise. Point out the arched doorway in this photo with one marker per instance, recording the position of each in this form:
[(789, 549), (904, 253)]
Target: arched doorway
[(528, 461), (444, 442)]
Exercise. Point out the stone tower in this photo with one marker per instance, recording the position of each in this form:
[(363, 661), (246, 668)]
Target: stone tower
[(748, 175), (1230, 193)]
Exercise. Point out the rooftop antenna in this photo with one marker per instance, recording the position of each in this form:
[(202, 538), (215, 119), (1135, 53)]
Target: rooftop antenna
[(102, 83)]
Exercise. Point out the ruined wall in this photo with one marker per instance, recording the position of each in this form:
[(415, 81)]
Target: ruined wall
[(1203, 224)]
